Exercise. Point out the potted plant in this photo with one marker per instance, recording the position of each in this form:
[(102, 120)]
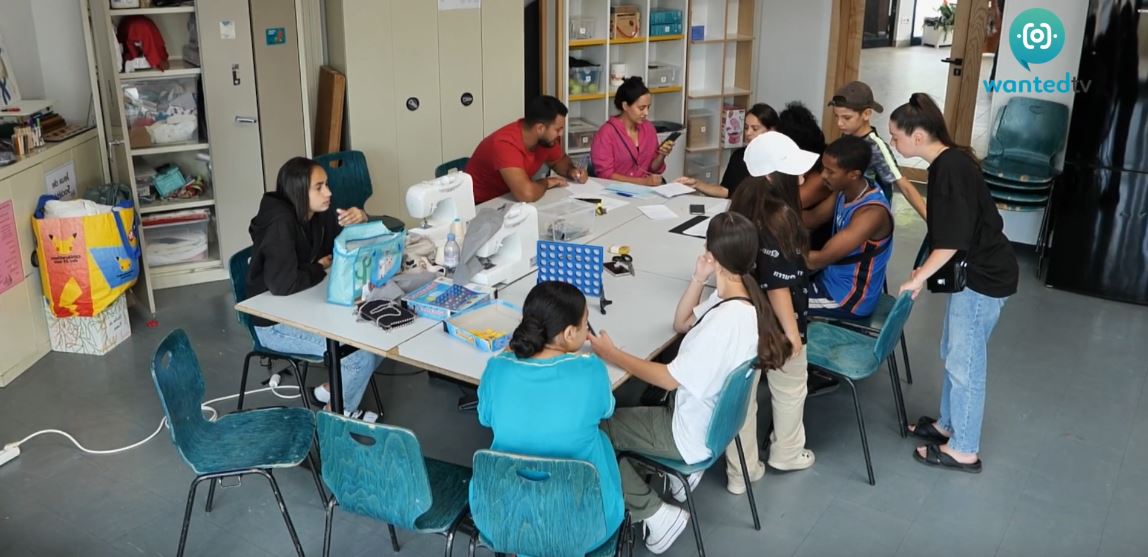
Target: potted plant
[(938, 30)]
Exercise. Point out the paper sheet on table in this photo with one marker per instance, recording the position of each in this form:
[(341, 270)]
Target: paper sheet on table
[(673, 189), (592, 188), (608, 203), (658, 212), (630, 190)]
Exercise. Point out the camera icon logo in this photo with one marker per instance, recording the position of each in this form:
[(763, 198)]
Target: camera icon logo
[(1036, 37)]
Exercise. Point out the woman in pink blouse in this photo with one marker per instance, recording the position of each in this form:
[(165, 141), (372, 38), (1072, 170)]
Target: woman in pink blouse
[(626, 147)]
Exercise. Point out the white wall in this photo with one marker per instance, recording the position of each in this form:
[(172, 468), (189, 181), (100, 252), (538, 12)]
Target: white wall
[(903, 30), (1073, 14), (45, 41), (925, 8), (792, 52)]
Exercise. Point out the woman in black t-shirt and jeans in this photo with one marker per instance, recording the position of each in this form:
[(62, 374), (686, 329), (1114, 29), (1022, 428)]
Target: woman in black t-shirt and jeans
[(963, 222)]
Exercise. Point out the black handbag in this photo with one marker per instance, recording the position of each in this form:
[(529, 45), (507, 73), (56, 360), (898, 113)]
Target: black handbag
[(950, 278), (387, 314)]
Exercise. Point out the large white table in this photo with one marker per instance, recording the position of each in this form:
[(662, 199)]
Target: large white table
[(639, 320)]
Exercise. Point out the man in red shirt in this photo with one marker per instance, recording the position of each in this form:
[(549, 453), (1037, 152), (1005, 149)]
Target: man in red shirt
[(506, 160)]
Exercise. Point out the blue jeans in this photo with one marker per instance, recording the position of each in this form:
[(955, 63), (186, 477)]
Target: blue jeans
[(968, 325), (357, 367)]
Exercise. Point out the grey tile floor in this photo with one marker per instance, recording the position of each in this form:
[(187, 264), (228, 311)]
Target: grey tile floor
[(1065, 441), (896, 73)]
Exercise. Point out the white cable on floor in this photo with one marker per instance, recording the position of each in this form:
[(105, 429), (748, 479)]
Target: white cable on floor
[(206, 407)]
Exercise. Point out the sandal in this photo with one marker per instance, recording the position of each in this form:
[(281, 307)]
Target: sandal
[(926, 429), (935, 457)]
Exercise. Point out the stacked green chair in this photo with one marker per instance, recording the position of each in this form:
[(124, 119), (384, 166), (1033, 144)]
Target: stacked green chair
[(1020, 166), (852, 356), (236, 445), (541, 506), (379, 471)]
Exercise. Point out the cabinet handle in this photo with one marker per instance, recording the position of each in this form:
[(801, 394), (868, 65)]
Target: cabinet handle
[(246, 120)]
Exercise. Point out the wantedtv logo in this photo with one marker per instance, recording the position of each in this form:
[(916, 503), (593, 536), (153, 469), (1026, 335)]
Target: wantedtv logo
[(1036, 37)]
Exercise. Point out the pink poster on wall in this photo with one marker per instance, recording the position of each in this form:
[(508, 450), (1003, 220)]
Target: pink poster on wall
[(11, 268)]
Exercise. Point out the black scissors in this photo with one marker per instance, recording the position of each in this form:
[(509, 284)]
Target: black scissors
[(624, 262)]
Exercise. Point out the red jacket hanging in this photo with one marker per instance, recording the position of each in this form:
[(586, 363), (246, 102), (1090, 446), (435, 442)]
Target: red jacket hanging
[(141, 38)]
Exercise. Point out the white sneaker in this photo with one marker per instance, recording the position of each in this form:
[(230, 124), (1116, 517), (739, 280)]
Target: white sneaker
[(362, 415), (321, 394), (678, 490), (662, 529)]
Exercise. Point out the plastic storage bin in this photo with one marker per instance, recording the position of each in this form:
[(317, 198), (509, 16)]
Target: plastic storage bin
[(565, 220), (582, 28), (659, 74), (581, 133), (487, 327), (585, 80), (172, 238), (665, 29), (161, 111), (665, 17), (704, 168), (700, 128)]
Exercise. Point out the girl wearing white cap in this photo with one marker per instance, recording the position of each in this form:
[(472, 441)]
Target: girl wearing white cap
[(770, 200)]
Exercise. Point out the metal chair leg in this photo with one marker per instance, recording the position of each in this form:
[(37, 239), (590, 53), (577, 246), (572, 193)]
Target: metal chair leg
[(327, 530), (748, 488), (243, 380), (211, 495), (693, 514), (304, 367), (187, 514), (378, 399), (905, 357), (898, 399), (394, 538), (299, 375), (315, 475), (861, 427), (473, 543), (283, 510)]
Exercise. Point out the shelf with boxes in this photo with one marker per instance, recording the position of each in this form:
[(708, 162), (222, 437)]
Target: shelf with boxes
[(606, 41), (719, 82)]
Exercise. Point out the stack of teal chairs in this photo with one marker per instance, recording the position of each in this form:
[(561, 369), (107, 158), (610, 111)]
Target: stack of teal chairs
[(1020, 167)]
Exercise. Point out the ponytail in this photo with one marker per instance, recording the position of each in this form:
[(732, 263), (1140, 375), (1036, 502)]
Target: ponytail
[(773, 348), (733, 240), (922, 113)]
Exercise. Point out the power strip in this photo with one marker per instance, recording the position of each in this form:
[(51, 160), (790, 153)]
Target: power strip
[(9, 454)]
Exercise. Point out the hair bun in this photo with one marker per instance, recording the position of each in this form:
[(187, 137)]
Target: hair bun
[(529, 337)]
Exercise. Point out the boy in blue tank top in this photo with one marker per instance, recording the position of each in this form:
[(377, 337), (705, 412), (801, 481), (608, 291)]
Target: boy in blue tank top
[(852, 263)]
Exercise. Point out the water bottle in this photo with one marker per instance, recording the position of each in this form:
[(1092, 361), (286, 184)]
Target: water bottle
[(450, 253)]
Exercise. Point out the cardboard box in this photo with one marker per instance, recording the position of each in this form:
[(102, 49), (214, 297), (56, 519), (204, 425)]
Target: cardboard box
[(96, 335), (699, 128), (440, 299), (732, 126), (625, 22)]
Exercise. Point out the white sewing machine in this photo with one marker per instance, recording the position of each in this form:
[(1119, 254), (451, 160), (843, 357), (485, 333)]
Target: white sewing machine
[(438, 202), (510, 254)]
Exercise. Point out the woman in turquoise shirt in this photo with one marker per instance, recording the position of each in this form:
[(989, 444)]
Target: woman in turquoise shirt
[(544, 398)]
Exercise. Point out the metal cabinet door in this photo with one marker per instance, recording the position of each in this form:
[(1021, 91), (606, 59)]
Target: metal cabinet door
[(460, 81), (232, 118), (284, 132)]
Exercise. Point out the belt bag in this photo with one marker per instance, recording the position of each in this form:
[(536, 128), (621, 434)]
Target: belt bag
[(951, 278)]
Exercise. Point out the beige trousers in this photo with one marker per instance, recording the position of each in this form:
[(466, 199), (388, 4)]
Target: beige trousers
[(787, 389)]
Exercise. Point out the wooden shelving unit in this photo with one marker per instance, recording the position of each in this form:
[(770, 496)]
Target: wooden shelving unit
[(719, 73), (637, 54)]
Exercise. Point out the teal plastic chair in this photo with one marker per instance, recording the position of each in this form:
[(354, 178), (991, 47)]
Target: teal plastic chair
[(300, 363), (379, 471), (541, 506), (1029, 134), (458, 164), (873, 325), (729, 414), (852, 356), (235, 445), (348, 178)]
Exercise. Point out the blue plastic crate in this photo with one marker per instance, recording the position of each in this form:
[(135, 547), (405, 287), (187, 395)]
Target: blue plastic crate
[(664, 17)]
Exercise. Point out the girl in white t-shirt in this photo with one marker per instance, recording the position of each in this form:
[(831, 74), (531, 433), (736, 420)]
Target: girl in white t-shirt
[(733, 325)]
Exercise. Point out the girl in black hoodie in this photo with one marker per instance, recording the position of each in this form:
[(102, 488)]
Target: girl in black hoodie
[(292, 239)]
